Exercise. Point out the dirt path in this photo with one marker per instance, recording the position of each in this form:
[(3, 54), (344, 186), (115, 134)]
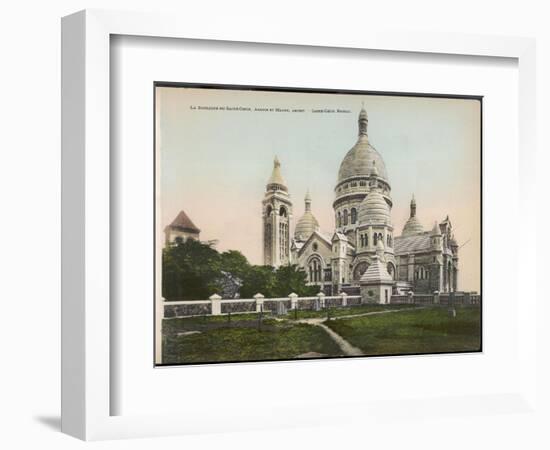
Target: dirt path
[(372, 313), (345, 346)]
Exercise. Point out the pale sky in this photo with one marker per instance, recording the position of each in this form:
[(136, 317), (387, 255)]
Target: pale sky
[(215, 164)]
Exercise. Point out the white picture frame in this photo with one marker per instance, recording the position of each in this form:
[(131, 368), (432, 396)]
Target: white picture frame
[(86, 247)]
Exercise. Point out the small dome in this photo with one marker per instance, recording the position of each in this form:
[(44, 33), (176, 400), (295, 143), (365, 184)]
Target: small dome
[(306, 226), (307, 223), (436, 231), (374, 209), (413, 226)]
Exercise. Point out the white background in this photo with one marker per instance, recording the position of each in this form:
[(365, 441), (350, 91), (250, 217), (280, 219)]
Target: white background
[(29, 327), (144, 390)]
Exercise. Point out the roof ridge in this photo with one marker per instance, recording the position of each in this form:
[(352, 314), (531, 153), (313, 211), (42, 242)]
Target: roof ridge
[(183, 221)]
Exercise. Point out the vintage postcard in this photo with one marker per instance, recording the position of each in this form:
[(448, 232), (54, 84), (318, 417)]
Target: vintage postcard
[(294, 224)]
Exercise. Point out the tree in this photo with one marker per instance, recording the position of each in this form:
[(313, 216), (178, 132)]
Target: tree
[(292, 279), (235, 263), (194, 270), (258, 279), (190, 270)]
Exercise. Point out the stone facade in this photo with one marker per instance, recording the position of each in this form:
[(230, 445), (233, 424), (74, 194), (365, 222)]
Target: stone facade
[(235, 307), (417, 260), (192, 309), (277, 215)]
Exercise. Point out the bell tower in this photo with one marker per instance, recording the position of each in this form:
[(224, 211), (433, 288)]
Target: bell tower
[(277, 215)]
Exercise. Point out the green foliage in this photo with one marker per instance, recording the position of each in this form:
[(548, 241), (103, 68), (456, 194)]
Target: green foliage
[(415, 330), (292, 279), (275, 341), (192, 270), (259, 279), (234, 262), (276, 283)]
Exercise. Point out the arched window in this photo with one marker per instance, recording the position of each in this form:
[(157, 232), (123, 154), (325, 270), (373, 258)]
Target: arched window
[(315, 270), (345, 216), (391, 270), (362, 240), (353, 215), (282, 211), (366, 240), (375, 239), (268, 210), (339, 219), (360, 270)]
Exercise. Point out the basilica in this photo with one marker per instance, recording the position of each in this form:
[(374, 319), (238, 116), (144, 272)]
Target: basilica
[(418, 260)]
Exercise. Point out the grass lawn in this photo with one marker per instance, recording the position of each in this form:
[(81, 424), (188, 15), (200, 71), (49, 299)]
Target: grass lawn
[(416, 331), (207, 321), (241, 340)]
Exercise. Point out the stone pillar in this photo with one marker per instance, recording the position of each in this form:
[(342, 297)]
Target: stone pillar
[(450, 278), (455, 279), (293, 300), (436, 297), (410, 268), (259, 302), (411, 297), (216, 304), (344, 299), (371, 238), (321, 297)]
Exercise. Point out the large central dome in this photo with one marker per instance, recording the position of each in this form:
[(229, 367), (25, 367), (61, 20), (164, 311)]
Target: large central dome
[(358, 161)]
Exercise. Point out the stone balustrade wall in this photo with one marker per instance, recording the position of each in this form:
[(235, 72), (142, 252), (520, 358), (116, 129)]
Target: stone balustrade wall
[(216, 305)]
